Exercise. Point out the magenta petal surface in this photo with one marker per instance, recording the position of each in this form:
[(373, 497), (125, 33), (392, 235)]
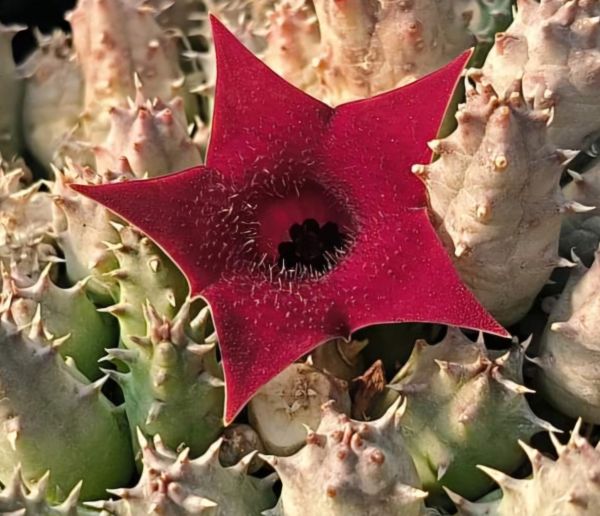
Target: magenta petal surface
[(260, 121), (276, 157)]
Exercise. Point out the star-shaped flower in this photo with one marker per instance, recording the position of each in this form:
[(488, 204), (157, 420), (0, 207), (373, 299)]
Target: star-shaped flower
[(306, 223)]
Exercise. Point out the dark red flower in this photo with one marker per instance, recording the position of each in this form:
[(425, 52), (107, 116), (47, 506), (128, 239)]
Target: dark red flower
[(306, 223)]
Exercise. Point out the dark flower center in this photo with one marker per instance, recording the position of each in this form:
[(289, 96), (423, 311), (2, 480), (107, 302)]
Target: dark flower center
[(312, 246)]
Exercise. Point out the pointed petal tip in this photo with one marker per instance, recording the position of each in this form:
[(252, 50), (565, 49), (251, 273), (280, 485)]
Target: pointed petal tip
[(235, 401), (232, 409), (215, 23), (91, 191), (498, 330), (489, 325), (465, 57), (458, 64), (79, 188), (220, 34)]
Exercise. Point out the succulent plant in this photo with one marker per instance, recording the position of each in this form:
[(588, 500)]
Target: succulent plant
[(241, 17), (53, 419), (340, 358), (149, 138), (569, 376), (145, 327), (465, 406), (144, 275), (18, 498), (173, 387), (83, 230), (179, 15), (584, 188), (495, 195), (115, 40), (25, 208), (554, 45), (53, 99), (350, 468), (293, 42), (174, 484), (581, 235), (580, 232), (569, 485), (26, 243), (66, 312), (486, 17), (27, 258), (355, 49), (238, 441), (11, 89)]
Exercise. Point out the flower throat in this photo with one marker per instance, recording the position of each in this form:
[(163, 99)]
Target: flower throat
[(312, 246)]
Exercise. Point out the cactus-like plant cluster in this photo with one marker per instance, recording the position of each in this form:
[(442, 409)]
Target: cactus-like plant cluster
[(65, 312), (350, 468), (173, 387), (568, 485), (148, 138), (107, 363), (115, 42), (580, 232), (52, 99), (554, 45), (341, 51), (460, 396), (18, 498), (83, 229), (53, 418), (26, 247), (495, 194), (486, 17), (173, 483)]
